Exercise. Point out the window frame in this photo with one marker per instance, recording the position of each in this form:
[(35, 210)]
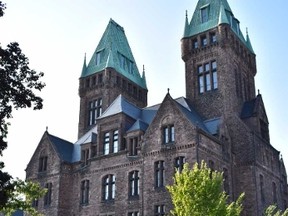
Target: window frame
[(207, 77), (94, 110), (159, 210), (168, 132), (179, 163), (84, 192), (159, 169), (48, 195), (43, 163), (134, 184), (108, 187)]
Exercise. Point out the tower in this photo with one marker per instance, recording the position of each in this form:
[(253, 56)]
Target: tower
[(111, 71), (219, 62)]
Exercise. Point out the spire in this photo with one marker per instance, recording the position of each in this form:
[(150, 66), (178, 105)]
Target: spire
[(143, 76), (248, 42), (186, 27), (114, 51), (84, 66)]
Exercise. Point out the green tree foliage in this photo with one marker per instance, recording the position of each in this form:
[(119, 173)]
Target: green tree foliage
[(21, 196), (199, 192), (17, 85), (272, 210)]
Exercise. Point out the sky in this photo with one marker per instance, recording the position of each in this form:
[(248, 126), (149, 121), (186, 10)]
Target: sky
[(55, 35)]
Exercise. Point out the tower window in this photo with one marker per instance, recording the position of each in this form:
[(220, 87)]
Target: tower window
[(85, 157), (111, 145), (109, 187), (207, 77), (115, 141), (95, 110), (159, 174), (205, 14), (203, 41), (133, 144), (195, 44), (168, 134), (106, 143), (213, 38), (98, 58)]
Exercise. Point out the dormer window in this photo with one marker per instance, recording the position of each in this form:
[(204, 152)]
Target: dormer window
[(98, 58), (205, 14), (195, 44)]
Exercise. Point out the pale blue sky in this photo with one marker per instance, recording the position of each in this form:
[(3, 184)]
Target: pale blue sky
[(55, 34)]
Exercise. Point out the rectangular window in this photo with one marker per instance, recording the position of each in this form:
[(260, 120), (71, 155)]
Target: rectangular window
[(262, 188), (159, 210), (195, 44), (43, 164), (95, 110), (84, 193), (179, 163), (207, 77), (203, 41), (115, 142), (133, 144), (135, 213), (109, 187), (48, 195), (85, 157), (106, 143), (159, 174), (213, 38), (168, 134), (98, 58), (134, 184), (204, 14)]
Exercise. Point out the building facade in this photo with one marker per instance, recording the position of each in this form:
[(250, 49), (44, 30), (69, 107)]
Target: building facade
[(127, 152)]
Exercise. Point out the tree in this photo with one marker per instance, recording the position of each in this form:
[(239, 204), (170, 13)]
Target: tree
[(273, 211), (199, 192), (21, 196), (17, 85)]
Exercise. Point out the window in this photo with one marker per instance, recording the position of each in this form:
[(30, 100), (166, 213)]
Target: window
[(95, 110), (133, 144), (85, 156), (159, 210), (98, 58), (203, 41), (106, 143), (134, 183), (84, 193), (264, 130), (262, 188), (48, 195), (43, 163), (226, 181), (207, 77), (135, 213), (35, 203), (111, 145), (213, 38), (115, 141), (109, 187), (204, 14), (159, 174), (179, 163), (168, 134), (195, 44), (274, 192)]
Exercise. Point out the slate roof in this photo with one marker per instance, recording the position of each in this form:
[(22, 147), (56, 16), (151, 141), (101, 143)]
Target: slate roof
[(219, 12), (116, 53), (143, 117), (63, 148)]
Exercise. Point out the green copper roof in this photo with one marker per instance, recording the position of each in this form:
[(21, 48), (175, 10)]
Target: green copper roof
[(113, 51), (211, 13)]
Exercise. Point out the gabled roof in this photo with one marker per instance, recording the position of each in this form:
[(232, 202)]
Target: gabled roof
[(113, 51), (63, 148), (251, 108), (219, 12)]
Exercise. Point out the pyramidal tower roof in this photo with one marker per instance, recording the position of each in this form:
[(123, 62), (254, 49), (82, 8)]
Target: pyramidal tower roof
[(113, 51), (211, 13)]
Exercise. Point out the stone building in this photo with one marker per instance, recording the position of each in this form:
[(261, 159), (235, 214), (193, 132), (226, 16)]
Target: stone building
[(127, 152)]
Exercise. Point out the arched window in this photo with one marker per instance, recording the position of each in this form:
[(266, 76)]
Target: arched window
[(43, 159)]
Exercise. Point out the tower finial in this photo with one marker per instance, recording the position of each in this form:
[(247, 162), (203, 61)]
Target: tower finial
[(47, 128), (143, 68), (186, 13), (258, 91), (168, 89)]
